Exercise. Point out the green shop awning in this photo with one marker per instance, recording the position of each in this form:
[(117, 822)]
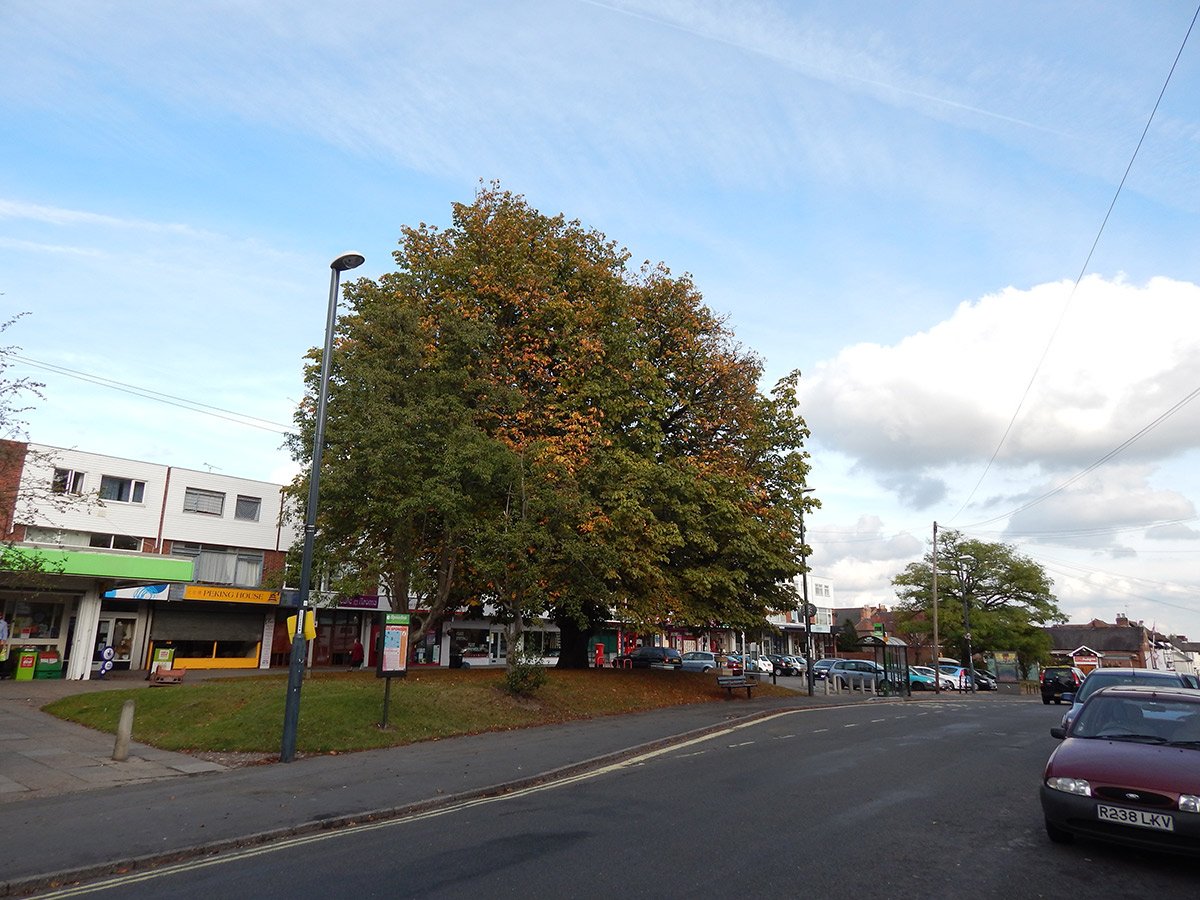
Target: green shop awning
[(125, 568)]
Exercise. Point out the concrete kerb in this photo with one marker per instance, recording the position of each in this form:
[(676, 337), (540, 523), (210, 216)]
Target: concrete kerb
[(52, 880)]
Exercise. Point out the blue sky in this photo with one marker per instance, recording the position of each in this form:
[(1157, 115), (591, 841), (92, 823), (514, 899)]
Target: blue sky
[(896, 199)]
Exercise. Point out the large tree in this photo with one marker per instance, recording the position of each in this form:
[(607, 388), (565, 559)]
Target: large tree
[(1005, 596), (517, 419)]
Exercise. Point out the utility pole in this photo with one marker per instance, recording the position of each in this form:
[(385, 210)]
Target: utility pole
[(807, 608), (937, 650)]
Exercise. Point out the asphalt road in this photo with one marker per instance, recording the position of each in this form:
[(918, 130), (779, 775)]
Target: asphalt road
[(925, 800)]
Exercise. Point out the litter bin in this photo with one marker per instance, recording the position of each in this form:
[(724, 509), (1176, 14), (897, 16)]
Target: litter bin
[(26, 664), (49, 665)]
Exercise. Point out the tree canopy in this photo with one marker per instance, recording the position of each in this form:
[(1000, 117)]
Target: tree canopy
[(517, 419), (1006, 595)]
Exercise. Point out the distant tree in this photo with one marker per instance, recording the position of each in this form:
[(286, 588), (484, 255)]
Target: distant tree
[(847, 637), (1007, 595), (38, 499), (516, 419)]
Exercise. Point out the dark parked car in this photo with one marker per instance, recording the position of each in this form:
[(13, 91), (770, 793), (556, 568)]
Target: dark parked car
[(1098, 679), (1059, 680), (650, 658), (784, 665), (985, 680), (821, 667), (1128, 770)]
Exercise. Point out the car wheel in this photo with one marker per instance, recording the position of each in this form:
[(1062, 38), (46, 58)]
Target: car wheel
[(1058, 835), (1058, 701), (707, 669), (1045, 701)]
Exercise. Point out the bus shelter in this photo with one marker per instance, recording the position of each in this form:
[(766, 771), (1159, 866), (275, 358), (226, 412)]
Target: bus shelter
[(891, 654)]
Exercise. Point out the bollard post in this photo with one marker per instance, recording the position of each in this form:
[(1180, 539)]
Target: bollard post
[(124, 732)]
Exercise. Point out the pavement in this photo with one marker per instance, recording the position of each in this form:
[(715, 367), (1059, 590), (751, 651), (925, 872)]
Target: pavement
[(71, 812)]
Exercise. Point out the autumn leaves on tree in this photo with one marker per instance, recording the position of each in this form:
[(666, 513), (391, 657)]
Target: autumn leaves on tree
[(517, 419)]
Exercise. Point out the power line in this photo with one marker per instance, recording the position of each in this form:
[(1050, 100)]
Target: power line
[(1134, 438), (216, 412), (1083, 269)]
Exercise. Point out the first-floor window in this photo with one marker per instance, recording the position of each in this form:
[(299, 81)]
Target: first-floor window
[(223, 565), (115, 542)]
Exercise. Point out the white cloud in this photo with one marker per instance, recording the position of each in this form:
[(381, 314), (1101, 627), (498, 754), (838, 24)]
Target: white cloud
[(1122, 356)]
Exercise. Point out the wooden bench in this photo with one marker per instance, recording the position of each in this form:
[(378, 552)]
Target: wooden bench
[(729, 682), (167, 676)]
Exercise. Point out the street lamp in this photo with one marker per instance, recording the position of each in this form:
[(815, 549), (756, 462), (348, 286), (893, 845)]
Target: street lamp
[(808, 669), (291, 709)]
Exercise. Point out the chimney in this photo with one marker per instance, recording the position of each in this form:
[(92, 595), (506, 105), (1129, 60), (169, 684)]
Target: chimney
[(1122, 619)]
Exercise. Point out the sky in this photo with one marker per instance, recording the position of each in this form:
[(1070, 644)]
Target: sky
[(912, 204)]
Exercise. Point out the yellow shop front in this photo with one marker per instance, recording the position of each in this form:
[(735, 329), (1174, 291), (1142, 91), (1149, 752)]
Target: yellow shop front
[(214, 627)]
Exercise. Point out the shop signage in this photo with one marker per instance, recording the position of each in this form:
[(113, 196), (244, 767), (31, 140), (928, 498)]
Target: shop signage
[(369, 601), (229, 595)]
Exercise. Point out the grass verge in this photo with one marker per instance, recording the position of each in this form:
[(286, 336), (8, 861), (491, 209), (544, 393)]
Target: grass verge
[(340, 712)]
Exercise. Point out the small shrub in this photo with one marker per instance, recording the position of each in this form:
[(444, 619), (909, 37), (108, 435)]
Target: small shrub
[(525, 677)]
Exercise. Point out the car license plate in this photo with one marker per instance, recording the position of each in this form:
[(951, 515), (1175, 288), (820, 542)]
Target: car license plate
[(1156, 821)]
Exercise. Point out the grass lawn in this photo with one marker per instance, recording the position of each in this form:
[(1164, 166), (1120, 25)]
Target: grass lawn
[(340, 712)]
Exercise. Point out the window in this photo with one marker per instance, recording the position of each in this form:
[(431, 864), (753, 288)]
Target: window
[(223, 565), (123, 490), (115, 542), (247, 508), (35, 620), (210, 503), (67, 481)]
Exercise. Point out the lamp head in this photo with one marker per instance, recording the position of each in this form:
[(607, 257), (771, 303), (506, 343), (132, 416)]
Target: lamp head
[(348, 261)]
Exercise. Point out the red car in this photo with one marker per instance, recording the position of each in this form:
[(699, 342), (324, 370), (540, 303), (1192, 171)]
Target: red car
[(1128, 770)]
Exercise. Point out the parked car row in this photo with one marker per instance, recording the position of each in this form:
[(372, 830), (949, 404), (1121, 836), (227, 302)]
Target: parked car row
[(919, 677), (1128, 767)]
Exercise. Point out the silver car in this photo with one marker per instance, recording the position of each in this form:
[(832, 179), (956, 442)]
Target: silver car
[(700, 661), (849, 671)]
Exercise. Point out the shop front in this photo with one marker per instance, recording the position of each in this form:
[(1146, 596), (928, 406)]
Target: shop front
[(54, 601), (339, 627), (211, 627)]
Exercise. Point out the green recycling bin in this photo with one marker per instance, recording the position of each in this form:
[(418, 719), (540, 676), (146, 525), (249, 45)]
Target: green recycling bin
[(49, 665), (26, 664)]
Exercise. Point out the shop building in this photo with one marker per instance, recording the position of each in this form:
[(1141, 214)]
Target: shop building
[(140, 557)]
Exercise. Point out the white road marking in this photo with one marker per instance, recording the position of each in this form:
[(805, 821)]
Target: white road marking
[(302, 840)]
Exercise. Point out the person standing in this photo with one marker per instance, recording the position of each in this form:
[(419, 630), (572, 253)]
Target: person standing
[(356, 655), (5, 650)]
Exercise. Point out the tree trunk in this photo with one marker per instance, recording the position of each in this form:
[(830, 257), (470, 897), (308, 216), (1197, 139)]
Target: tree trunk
[(573, 653), (512, 633)]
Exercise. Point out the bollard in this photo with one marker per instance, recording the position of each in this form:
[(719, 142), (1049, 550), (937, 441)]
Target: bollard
[(124, 732)]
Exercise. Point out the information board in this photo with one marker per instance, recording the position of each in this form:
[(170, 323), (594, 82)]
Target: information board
[(393, 641)]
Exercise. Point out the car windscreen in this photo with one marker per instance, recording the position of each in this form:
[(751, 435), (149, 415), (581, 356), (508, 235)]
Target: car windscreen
[(1143, 720), (1094, 683)]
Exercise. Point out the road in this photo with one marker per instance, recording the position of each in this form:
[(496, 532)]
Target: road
[(928, 799)]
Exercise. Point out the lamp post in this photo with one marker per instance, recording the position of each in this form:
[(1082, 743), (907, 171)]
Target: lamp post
[(808, 669), (291, 709)]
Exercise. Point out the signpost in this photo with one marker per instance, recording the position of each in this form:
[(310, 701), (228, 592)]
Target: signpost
[(391, 660)]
